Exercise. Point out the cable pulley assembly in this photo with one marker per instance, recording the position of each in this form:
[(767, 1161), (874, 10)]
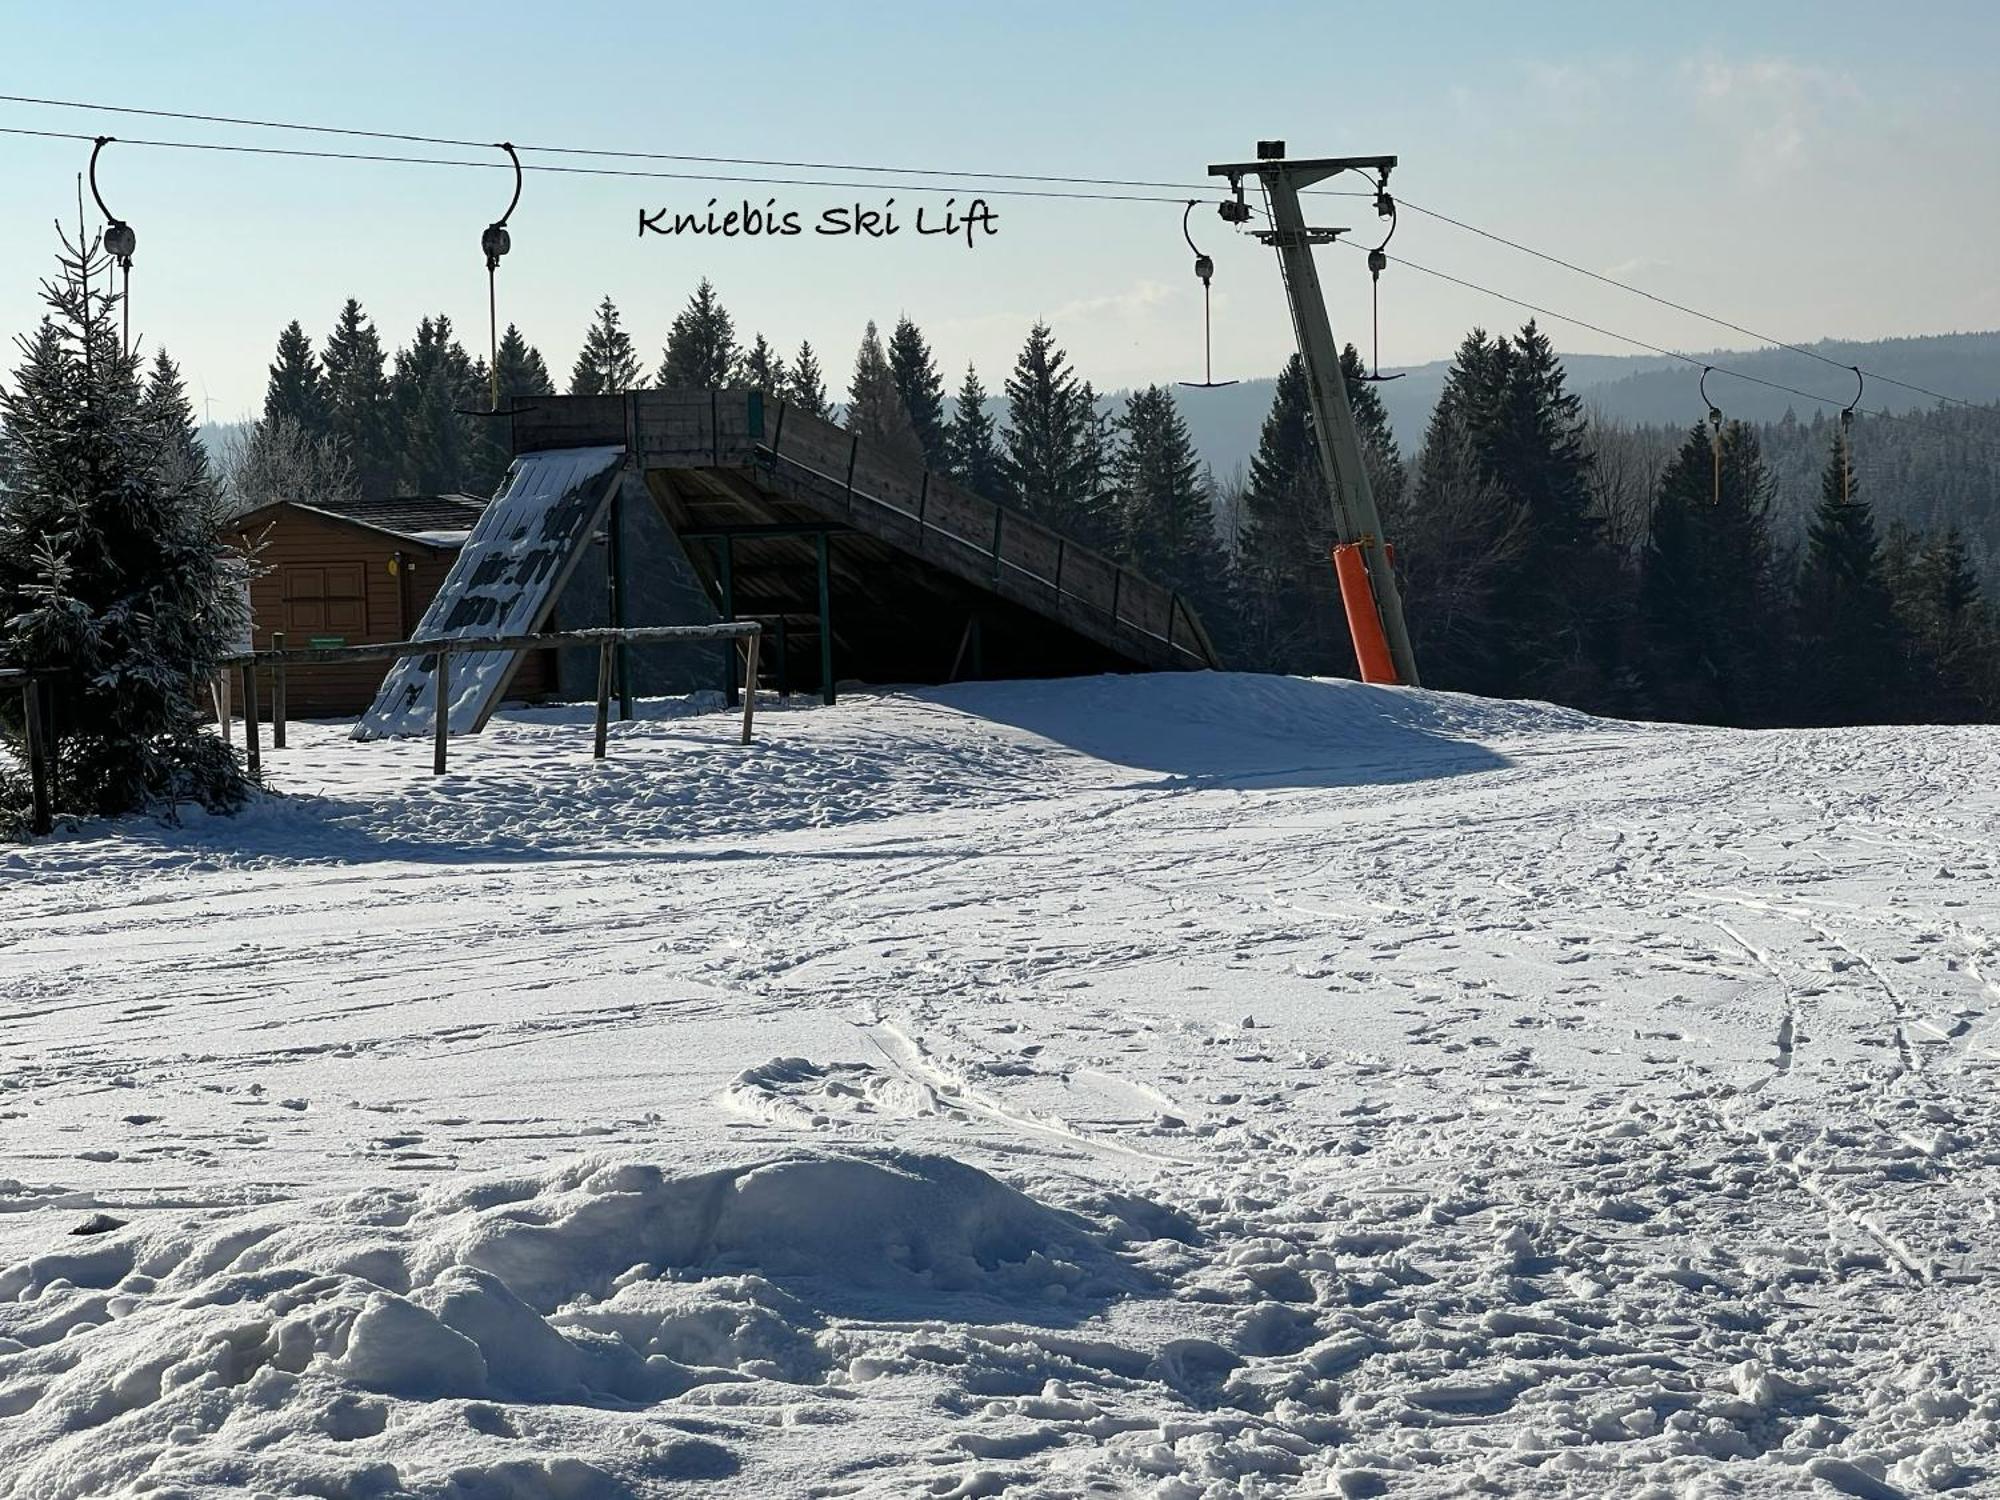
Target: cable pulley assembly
[(1714, 435), (119, 239), (1204, 268), (496, 242), (1846, 436), (1378, 262)]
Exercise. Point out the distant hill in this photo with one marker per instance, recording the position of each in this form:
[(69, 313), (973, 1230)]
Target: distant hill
[(1647, 389)]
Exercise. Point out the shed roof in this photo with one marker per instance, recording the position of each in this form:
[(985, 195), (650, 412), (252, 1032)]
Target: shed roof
[(429, 520)]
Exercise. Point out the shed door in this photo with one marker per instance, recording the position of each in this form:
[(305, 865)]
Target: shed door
[(325, 600)]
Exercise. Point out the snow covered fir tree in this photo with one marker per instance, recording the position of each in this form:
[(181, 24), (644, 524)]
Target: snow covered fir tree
[(113, 579)]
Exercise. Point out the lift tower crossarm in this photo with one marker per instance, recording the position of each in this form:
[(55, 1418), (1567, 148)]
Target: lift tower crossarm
[(1353, 501), (1304, 171)]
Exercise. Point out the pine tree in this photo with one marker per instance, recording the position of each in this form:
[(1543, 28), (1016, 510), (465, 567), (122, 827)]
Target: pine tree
[(607, 365), (1709, 616), (1952, 656), (764, 368), (168, 414), (1555, 610), (701, 351), (1052, 444), (922, 389), (1379, 454), (1287, 599), (974, 450), (806, 388), (111, 571), (523, 372), (360, 416), (1457, 532), (875, 412), (1844, 669), (1166, 518), (435, 381), (1093, 513), (297, 388)]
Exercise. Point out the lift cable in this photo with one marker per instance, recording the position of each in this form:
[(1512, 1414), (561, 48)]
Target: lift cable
[(925, 171), (1626, 338), (982, 176), (295, 152), (736, 161), (1694, 312), (443, 161)]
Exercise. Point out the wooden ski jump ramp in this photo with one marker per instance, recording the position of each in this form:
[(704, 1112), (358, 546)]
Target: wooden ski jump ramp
[(859, 564), (789, 519)]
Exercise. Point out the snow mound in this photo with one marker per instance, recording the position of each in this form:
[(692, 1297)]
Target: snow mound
[(1260, 729), (256, 1350)]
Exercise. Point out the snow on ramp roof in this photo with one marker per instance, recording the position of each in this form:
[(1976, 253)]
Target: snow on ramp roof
[(506, 576)]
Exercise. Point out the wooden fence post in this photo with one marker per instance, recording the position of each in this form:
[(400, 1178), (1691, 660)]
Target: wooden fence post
[(41, 813), (604, 658), (825, 625), (727, 566), (443, 725), (252, 749), (749, 684), (278, 692)]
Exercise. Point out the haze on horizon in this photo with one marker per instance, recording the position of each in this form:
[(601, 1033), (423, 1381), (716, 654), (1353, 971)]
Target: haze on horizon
[(1806, 169)]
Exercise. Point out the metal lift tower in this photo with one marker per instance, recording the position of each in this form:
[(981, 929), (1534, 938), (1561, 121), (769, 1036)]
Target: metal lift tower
[(1355, 518)]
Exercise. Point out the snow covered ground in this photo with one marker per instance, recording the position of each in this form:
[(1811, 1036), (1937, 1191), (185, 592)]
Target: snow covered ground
[(1177, 1087)]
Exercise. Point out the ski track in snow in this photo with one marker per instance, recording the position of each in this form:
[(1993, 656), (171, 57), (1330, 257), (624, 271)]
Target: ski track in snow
[(1184, 1087)]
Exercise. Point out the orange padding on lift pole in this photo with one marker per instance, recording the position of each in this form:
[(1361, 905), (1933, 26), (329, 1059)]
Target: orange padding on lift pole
[(1364, 620)]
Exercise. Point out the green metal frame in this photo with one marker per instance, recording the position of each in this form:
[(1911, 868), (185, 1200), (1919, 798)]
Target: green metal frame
[(724, 539)]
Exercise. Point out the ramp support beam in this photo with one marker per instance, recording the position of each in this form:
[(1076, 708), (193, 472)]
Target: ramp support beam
[(825, 623), (615, 558)]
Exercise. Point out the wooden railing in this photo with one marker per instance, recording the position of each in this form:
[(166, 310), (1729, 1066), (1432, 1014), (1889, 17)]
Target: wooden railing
[(1013, 553), (279, 659)]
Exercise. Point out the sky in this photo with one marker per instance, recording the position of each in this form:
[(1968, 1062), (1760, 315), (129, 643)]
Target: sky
[(1806, 169)]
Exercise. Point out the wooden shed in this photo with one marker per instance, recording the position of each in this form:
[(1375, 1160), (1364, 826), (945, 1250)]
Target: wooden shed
[(354, 573)]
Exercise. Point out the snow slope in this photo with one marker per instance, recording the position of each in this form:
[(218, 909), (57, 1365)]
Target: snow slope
[(1178, 1087)]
